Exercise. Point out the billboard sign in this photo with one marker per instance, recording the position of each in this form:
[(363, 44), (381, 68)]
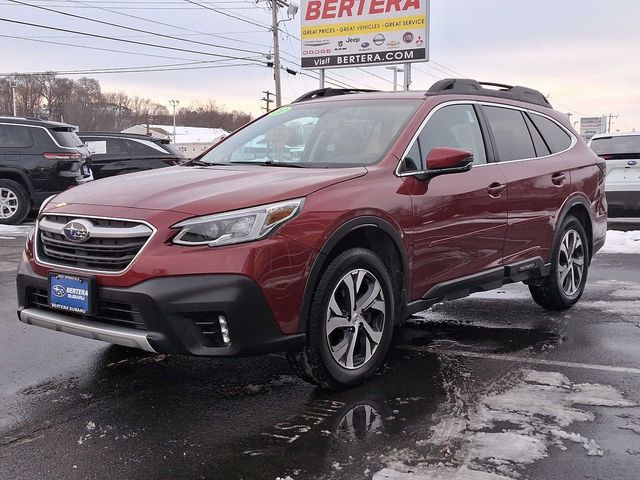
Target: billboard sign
[(590, 126), (348, 33)]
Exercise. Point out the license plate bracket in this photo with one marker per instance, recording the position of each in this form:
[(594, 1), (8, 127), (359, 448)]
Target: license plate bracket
[(70, 293)]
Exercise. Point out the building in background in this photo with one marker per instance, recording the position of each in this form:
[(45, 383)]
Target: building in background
[(191, 141)]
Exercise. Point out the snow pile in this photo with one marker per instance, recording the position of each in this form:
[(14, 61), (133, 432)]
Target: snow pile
[(8, 232), (622, 242), (505, 431)]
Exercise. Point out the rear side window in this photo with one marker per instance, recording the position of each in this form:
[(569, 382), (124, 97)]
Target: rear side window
[(15, 136), (143, 148), (106, 147), (455, 126), (66, 138), (511, 134), (557, 139)]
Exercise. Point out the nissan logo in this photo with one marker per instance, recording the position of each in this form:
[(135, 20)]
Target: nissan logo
[(77, 231)]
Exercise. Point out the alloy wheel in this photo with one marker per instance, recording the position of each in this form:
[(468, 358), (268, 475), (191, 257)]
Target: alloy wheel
[(570, 263), (8, 203), (355, 319)]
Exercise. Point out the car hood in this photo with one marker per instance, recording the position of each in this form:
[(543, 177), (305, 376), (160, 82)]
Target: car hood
[(205, 190)]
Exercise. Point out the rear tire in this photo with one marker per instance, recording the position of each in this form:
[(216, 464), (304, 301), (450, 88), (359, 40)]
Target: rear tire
[(14, 202), (569, 266), (350, 323)]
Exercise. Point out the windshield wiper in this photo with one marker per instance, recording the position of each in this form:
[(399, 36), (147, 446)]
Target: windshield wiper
[(270, 164), (200, 163)]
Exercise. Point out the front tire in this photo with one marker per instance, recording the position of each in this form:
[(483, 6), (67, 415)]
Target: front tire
[(350, 323), (14, 202), (570, 263)]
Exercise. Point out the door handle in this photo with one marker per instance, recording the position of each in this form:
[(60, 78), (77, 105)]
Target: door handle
[(558, 178), (495, 189)]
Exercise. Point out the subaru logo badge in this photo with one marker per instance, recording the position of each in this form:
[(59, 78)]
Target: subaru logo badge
[(58, 290), (77, 231), (632, 163)]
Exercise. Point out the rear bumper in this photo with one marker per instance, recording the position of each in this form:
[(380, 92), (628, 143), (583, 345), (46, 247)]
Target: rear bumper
[(178, 315), (623, 203)]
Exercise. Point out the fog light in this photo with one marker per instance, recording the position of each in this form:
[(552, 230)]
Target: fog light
[(224, 330)]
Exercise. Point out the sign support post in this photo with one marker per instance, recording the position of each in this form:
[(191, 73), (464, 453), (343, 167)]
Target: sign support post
[(321, 78), (407, 76)]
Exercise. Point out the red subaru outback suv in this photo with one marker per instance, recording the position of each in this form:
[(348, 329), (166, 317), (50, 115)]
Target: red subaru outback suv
[(318, 227)]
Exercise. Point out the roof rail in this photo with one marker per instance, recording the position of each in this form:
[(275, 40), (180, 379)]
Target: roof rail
[(330, 92), (473, 87)]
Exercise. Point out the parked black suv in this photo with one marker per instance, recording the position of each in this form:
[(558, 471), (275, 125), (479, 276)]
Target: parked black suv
[(38, 159), (117, 153)]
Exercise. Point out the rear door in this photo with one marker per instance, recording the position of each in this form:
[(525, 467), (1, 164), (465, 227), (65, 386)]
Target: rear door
[(538, 179), (109, 155), (461, 218)]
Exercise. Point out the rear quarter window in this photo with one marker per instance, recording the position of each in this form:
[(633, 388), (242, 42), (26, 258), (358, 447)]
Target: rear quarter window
[(510, 132), (555, 136), (15, 136)]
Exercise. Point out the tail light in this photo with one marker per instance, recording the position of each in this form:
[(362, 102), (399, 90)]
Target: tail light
[(62, 156)]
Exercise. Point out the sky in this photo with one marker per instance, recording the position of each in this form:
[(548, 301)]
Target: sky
[(581, 53)]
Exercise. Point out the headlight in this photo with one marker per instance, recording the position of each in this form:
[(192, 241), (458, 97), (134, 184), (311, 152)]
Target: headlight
[(237, 226)]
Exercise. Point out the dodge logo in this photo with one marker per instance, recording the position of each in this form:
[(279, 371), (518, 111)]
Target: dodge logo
[(77, 231)]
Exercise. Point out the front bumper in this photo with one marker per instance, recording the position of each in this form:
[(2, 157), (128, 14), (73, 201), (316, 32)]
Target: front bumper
[(178, 315)]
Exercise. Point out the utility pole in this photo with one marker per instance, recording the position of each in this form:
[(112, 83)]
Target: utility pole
[(13, 86), (268, 100), (276, 51), (611, 117), (174, 104), (395, 69)]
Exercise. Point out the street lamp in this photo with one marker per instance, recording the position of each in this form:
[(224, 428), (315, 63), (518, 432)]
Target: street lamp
[(174, 104), (13, 86), (395, 69)]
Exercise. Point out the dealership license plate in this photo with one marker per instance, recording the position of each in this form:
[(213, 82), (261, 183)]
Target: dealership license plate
[(69, 293)]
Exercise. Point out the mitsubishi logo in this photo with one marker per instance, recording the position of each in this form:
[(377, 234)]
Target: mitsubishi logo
[(77, 231)]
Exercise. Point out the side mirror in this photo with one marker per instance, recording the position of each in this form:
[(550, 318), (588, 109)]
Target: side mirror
[(449, 160)]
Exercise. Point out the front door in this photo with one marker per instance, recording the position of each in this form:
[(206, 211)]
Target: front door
[(461, 218)]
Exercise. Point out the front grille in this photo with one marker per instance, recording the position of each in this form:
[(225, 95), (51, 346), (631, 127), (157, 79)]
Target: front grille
[(111, 246), (107, 311)]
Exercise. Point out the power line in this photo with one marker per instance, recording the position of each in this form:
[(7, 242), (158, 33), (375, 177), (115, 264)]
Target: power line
[(102, 22), (246, 20), (166, 24), (88, 47), (116, 39), (138, 70)]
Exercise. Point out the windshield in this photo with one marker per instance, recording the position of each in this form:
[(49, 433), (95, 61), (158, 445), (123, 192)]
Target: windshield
[(616, 145), (66, 138), (332, 134)]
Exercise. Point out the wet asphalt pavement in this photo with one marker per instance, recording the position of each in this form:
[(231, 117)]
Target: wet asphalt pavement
[(485, 388)]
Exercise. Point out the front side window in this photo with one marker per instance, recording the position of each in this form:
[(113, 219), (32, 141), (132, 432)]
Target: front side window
[(326, 134), (510, 132), (454, 126)]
